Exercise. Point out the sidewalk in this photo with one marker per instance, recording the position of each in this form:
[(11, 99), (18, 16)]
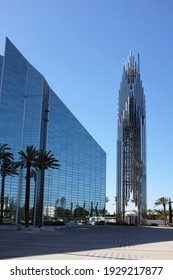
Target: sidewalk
[(90, 242)]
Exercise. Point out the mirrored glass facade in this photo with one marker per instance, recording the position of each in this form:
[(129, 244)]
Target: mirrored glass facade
[(32, 114), (131, 142)]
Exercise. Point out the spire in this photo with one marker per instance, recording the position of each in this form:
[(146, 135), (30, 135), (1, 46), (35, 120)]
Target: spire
[(132, 68)]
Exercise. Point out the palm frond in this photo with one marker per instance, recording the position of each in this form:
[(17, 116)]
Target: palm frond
[(46, 159)]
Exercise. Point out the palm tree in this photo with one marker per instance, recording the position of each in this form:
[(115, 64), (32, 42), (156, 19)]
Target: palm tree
[(162, 201), (4, 149), (170, 210), (34, 175), (7, 167), (5, 153), (27, 160), (106, 199), (150, 214), (44, 160)]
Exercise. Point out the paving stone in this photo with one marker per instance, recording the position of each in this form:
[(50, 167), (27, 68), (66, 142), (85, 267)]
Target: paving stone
[(89, 242)]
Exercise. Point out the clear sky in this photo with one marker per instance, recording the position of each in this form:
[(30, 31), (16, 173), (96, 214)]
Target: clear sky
[(79, 47)]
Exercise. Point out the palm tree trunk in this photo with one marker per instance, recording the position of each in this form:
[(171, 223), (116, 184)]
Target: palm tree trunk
[(27, 197), (164, 209), (170, 212), (2, 198), (41, 198)]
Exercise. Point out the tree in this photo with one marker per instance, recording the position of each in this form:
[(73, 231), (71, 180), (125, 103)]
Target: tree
[(170, 210), (91, 210), (44, 160), (27, 160), (9, 207), (106, 199), (151, 214), (96, 210), (34, 175), (80, 213), (7, 168), (162, 201)]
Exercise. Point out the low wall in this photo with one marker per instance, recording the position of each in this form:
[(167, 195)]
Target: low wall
[(158, 222)]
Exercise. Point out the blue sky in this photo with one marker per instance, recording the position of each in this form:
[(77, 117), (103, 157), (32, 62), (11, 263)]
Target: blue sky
[(79, 47)]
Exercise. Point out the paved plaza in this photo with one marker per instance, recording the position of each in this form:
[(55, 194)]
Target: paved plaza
[(89, 242)]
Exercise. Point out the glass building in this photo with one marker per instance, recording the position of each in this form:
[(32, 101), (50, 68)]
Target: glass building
[(32, 114), (131, 142)]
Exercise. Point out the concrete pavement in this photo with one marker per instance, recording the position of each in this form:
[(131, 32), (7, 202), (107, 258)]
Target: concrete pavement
[(89, 242)]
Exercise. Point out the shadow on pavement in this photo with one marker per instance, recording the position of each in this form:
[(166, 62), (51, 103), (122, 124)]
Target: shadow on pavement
[(16, 244)]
